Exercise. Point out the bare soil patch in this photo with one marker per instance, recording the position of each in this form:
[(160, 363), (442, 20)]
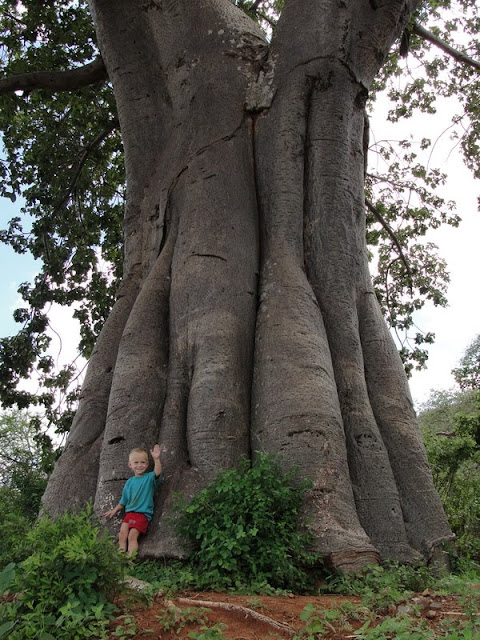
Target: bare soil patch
[(264, 617)]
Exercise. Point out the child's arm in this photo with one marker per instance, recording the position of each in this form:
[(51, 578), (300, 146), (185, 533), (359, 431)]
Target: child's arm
[(156, 453), (114, 511)]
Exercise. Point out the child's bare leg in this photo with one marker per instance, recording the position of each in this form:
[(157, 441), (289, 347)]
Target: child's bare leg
[(133, 536), (123, 536)]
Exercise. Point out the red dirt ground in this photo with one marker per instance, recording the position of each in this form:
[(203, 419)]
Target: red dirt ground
[(255, 617)]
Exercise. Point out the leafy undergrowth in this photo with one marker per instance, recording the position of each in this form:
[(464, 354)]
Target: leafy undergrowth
[(67, 581), (220, 615)]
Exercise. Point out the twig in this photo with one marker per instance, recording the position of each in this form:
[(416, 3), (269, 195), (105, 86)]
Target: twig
[(260, 14), (394, 239), (263, 16), (83, 159)]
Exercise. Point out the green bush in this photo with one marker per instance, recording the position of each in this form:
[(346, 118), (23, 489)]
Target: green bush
[(244, 528), (393, 579), (169, 576), (13, 527), (67, 585)]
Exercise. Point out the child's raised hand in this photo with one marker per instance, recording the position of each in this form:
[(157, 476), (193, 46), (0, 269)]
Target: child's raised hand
[(157, 451)]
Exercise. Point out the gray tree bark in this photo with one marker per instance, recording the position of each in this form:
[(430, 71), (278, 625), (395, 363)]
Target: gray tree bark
[(247, 321)]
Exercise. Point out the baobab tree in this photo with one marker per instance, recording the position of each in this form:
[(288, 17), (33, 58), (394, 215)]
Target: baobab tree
[(246, 319)]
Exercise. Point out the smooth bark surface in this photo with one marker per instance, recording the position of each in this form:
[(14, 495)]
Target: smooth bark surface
[(250, 322)]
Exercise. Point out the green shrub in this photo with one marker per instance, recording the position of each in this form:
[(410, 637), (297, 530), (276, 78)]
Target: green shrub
[(245, 529), (393, 579), (167, 576), (26, 459), (318, 621), (400, 628), (13, 527), (67, 585), (177, 619), (210, 633)]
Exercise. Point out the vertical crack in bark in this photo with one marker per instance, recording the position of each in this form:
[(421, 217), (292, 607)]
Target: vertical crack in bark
[(206, 417), (139, 383), (306, 170)]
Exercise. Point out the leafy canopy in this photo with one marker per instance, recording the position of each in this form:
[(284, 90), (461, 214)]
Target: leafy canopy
[(63, 156)]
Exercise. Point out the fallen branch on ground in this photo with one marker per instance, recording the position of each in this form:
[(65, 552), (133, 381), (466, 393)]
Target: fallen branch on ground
[(279, 626)]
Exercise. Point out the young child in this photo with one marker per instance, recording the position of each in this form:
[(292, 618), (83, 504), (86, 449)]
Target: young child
[(137, 498)]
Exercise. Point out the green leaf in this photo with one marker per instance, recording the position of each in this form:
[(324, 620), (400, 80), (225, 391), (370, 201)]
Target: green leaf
[(5, 627), (7, 577)]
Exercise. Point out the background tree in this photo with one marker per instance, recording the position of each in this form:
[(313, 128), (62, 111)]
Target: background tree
[(467, 375), (26, 460), (246, 317), (450, 424)]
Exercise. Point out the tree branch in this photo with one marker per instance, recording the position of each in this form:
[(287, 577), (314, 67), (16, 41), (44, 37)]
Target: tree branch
[(55, 80), (5, 456), (113, 124), (260, 14), (266, 18), (244, 611), (441, 44), (393, 237)]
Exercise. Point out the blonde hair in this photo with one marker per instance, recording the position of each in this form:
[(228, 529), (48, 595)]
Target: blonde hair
[(138, 450)]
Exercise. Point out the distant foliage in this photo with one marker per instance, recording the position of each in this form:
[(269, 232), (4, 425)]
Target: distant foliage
[(26, 459), (467, 375), (245, 528), (451, 430)]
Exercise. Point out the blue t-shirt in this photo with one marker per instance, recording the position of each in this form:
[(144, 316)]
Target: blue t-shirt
[(137, 494)]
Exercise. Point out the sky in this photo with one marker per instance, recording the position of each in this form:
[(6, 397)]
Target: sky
[(18, 268), (455, 327)]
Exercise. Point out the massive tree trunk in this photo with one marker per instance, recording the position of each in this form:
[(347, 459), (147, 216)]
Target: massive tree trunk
[(247, 320)]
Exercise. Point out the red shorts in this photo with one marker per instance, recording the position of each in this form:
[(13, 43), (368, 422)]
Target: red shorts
[(136, 521)]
